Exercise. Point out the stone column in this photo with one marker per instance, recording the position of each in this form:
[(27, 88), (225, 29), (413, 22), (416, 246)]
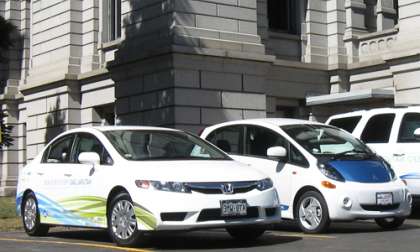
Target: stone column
[(355, 25)]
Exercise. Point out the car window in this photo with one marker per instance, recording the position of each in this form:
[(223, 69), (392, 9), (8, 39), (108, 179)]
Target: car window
[(229, 139), (89, 143), (348, 123), (259, 139), (378, 129), (59, 151), (297, 158), (410, 122), (162, 145)]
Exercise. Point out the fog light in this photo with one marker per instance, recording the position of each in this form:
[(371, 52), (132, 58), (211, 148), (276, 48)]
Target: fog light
[(347, 203)]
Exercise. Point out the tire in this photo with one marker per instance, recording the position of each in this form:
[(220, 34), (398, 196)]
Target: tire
[(311, 213), (122, 222), (390, 223), (247, 233), (30, 217)]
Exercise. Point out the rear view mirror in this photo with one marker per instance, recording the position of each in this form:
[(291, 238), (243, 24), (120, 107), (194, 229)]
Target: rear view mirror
[(91, 158), (277, 152), (417, 133)]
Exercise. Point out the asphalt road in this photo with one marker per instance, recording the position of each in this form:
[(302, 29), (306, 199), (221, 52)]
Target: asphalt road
[(358, 236)]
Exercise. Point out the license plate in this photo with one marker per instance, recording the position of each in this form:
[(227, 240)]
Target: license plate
[(384, 199), (233, 207)]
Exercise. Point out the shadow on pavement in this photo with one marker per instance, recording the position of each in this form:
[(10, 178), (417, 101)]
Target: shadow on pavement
[(211, 239)]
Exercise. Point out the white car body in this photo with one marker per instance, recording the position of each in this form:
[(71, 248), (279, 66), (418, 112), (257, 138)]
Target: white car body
[(291, 180), (77, 194), (404, 156)]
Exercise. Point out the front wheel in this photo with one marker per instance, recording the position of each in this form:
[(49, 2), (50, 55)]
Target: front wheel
[(30, 217), (312, 213), (122, 222), (245, 233), (390, 223)]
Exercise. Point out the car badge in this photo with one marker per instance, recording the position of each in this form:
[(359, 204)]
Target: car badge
[(227, 188)]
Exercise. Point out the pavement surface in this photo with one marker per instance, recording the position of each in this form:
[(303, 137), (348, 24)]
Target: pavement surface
[(356, 236)]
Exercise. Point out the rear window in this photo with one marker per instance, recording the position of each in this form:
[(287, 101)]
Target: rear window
[(348, 123), (378, 129)]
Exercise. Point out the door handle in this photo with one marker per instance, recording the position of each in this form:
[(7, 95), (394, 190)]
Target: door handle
[(67, 175), (399, 154), (294, 172), (40, 173)]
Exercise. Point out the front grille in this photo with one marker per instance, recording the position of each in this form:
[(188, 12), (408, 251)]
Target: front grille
[(176, 216), (215, 214), (380, 208), (270, 212), (217, 187)]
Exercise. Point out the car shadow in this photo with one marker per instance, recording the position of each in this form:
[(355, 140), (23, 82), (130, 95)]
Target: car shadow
[(196, 240)]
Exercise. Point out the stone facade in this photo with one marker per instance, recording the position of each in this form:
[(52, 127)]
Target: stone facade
[(192, 63)]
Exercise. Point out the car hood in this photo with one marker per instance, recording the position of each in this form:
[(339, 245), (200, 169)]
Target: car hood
[(193, 171), (362, 171)]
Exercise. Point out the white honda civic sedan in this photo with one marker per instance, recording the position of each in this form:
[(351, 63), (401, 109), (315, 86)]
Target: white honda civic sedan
[(133, 180), (322, 173)]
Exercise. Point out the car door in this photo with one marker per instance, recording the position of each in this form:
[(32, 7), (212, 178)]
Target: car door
[(53, 179), (406, 154), (88, 199)]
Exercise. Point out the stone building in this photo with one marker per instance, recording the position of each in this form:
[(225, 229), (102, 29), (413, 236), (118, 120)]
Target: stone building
[(192, 63)]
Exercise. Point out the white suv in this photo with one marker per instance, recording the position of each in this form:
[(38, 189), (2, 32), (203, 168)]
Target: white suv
[(394, 133)]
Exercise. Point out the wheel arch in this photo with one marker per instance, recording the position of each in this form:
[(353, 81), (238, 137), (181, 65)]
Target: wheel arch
[(114, 192), (300, 193)]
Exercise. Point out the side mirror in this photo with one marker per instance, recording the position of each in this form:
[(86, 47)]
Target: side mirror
[(91, 158), (277, 152), (417, 133)]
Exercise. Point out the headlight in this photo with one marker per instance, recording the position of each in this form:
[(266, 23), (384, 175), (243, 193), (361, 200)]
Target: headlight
[(264, 184), (390, 170), (163, 186), (330, 172)]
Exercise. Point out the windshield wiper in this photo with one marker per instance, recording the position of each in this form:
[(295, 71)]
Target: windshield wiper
[(351, 153)]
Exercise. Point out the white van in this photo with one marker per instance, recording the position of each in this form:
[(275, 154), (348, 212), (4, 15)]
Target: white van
[(394, 133)]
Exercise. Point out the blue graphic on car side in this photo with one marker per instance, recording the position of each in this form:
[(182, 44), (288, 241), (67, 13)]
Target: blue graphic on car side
[(362, 171), (413, 175), (284, 207)]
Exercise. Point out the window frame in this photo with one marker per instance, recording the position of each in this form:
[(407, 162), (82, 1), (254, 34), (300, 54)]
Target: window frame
[(293, 19), (55, 142), (241, 146), (400, 129), (104, 150), (390, 129), (112, 20)]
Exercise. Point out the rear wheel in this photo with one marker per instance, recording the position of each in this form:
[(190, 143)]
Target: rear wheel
[(122, 222), (30, 217), (390, 223), (246, 233), (312, 213)]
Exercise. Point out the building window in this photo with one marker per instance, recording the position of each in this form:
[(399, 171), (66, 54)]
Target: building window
[(114, 19), (283, 15)]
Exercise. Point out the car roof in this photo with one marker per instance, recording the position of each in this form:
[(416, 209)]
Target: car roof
[(274, 121), (113, 128), (377, 111)]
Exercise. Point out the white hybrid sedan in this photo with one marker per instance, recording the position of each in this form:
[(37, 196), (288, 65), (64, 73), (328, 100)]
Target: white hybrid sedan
[(321, 173), (133, 180)]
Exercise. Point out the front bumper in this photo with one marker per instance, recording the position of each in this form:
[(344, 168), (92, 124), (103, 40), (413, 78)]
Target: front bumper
[(362, 198), (180, 211)]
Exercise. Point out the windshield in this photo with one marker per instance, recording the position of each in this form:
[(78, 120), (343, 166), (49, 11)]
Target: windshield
[(322, 140), (162, 145)]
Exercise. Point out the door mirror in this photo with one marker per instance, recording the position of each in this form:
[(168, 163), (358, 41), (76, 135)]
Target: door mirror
[(417, 133), (277, 152), (89, 158)]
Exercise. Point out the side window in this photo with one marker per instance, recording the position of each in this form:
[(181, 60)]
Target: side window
[(229, 139), (410, 122), (259, 139), (297, 158), (378, 129), (59, 151), (348, 124), (89, 143)]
